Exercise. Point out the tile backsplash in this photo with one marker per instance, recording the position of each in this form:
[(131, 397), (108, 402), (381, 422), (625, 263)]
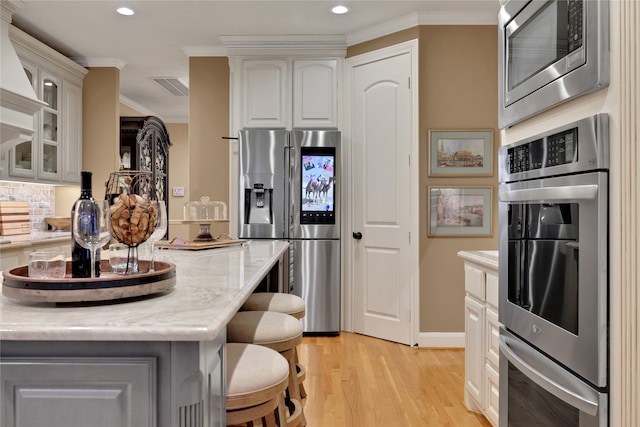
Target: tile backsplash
[(41, 198)]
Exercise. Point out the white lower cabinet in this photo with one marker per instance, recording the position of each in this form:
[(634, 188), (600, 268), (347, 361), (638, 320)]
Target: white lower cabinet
[(482, 331)]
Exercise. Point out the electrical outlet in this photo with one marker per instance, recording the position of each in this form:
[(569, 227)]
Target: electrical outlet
[(178, 191)]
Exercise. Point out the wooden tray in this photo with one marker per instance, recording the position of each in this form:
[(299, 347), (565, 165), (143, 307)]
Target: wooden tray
[(196, 246), (109, 286)]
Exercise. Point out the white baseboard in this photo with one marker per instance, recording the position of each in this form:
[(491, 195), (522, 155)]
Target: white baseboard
[(441, 339)]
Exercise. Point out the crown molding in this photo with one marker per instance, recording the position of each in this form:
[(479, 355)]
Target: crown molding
[(100, 62), (290, 45), (486, 17), (383, 29), (204, 51), (147, 112)]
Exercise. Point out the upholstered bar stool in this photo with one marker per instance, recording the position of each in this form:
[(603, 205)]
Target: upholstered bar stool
[(278, 331), (278, 302), (256, 379), (289, 304)]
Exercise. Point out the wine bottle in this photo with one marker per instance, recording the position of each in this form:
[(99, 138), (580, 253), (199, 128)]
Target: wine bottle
[(81, 257)]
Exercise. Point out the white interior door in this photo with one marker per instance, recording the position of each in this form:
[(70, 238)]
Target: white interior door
[(383, 261)]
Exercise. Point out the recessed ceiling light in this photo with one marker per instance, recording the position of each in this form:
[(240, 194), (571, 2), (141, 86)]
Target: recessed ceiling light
[(124, 11), (340, 10)]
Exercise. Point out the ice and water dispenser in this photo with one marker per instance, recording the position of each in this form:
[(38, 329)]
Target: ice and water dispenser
[(258, 205)]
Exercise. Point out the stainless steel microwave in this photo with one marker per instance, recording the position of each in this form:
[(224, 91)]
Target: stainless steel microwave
[(550, 51)]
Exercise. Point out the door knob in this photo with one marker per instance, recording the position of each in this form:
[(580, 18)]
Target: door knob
[(357, 235)]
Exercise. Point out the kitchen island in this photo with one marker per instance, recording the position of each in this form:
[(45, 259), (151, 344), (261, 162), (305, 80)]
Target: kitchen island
[(149, 361)]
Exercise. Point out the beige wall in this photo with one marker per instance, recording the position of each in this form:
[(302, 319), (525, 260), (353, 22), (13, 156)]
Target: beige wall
[(458, 90), (126, 111), (198, 158), (208, 160), (178, 175), (101, 125), (100, 134)]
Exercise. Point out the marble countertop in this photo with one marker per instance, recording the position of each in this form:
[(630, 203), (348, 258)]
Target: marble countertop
[(211, 285), (485, 258)]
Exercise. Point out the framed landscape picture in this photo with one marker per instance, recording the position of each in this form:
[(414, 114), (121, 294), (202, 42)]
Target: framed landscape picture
[(460, 211), (461, 152)]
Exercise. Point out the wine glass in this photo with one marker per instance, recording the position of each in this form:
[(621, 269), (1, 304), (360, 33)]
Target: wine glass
[(159, 232), (92, 226)]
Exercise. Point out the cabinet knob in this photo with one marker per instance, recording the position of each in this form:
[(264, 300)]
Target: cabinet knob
[(357, 235)]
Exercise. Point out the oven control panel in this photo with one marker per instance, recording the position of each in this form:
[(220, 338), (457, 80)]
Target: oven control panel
[(554, 150), (580, 146)]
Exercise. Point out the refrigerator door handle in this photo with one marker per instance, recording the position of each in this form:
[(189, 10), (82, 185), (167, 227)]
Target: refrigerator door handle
[(289, 156)]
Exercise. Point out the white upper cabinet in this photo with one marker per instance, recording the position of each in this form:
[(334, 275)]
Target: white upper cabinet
[(54, 153), (264, 92), (289, 93), (315, 89)]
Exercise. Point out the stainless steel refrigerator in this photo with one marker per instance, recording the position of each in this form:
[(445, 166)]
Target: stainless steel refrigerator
[(288, 191)]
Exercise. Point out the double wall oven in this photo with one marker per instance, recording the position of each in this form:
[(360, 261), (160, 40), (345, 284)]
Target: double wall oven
[(554, 277)]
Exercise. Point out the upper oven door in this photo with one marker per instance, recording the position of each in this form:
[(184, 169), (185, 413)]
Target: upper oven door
[(554, 272), (549, 51)]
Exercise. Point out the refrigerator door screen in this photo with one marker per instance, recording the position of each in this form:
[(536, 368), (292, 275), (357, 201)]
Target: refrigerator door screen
[(318, 177)]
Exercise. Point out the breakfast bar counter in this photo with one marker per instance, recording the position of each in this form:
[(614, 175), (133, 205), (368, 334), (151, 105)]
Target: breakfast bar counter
[(147, 361)]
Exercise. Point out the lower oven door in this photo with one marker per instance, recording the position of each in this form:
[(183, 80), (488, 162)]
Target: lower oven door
[(536, 391)]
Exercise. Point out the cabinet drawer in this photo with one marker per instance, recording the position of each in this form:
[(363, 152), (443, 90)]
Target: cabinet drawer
[(474, 281)]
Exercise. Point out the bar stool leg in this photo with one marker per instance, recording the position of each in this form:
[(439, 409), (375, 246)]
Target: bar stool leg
[(302, 374)]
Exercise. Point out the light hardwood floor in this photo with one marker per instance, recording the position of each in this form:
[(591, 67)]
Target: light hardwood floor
[(355, 380)]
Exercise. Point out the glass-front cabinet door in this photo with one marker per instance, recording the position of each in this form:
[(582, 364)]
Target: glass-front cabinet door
[(49, 165), (23, 157), (40, 156)]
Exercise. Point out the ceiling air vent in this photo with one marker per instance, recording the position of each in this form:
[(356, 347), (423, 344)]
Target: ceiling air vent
[(172, 85)]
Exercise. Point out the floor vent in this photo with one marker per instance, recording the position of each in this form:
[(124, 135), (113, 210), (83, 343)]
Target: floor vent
[(172, 85)]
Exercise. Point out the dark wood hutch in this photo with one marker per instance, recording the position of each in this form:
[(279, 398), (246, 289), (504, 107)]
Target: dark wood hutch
[(144, 145)]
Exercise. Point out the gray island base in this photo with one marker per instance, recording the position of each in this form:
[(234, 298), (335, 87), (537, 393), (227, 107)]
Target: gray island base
[(149, 361)]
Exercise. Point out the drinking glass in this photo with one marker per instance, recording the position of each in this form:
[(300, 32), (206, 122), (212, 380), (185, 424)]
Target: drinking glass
[(47, 264), (159, 232), (92, 226)]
